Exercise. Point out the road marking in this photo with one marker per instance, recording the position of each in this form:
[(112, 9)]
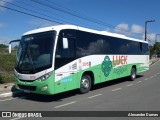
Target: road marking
[(146, 79), (116, 89), (129, 85), (65, 104), (23, 97), (139, 81), (94, 96), (154, 75), (151, 77)]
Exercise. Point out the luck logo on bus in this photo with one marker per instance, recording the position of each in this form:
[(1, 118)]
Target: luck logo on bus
[(106, 66), (119, 60)]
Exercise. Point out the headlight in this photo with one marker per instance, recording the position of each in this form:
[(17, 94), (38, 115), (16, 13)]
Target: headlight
[(45, 77), (44, 88)]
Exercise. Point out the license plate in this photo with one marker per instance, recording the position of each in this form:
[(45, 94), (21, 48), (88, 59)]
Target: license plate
[(27, 91)]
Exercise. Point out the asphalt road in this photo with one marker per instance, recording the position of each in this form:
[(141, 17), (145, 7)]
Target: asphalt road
[(143, 94)]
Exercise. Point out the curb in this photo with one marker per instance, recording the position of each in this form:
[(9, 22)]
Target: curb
[(9, 90), (11, 94), (152, 63)]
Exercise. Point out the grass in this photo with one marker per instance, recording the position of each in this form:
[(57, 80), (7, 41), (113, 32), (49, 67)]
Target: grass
[(7, 63), (6, 78)]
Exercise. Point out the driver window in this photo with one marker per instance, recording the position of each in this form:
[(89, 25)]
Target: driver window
[(65, 55)]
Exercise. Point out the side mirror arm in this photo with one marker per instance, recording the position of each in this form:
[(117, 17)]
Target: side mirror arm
[(10, 46)]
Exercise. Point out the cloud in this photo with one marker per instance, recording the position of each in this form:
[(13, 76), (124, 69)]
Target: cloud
[(137, 29), (4, 4), (151, 38), (121, 28), (158, 38)]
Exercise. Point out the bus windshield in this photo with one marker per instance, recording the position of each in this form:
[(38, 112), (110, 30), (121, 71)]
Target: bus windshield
[(35, 52)]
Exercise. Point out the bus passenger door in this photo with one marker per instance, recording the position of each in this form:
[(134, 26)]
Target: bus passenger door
[(65, 66)]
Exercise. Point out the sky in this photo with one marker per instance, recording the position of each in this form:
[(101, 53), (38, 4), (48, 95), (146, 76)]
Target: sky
[(119, 16)]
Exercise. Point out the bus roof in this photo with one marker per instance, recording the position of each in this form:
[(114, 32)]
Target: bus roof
[(60, 27)]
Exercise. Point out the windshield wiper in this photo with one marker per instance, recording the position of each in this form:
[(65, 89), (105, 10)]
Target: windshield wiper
[(21, 59), (26, 52), (30, 57)]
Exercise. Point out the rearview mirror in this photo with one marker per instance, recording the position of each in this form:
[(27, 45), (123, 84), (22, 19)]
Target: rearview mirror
[(65, 43), (10, 46)]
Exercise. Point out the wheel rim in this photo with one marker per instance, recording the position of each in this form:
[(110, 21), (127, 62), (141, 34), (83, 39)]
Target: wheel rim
[(133, 74), (85, 83)]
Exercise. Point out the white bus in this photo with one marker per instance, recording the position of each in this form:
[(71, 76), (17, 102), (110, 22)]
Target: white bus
[(60, 58)]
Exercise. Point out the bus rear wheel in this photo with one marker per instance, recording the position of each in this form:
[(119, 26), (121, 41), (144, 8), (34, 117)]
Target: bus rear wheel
[(85, 84), (133, 74)]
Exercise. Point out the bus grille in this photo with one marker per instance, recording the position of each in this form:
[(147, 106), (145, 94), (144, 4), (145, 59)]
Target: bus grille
[(26, 80), (24, 87)]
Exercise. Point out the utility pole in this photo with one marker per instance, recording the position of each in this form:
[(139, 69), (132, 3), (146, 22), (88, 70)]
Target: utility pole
[(145, 38)]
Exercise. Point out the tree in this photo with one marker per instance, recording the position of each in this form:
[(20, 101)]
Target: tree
[(151, 49), (3, 46), (157, 48)]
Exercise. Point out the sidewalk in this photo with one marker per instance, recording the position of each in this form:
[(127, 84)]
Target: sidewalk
[(8, 90)]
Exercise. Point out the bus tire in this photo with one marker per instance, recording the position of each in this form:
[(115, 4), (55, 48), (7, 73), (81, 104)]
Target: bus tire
[(133, 74), (85, 84)]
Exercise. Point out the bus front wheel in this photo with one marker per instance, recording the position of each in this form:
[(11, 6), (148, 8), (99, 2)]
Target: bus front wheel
[(85, 84), (133, 74)]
